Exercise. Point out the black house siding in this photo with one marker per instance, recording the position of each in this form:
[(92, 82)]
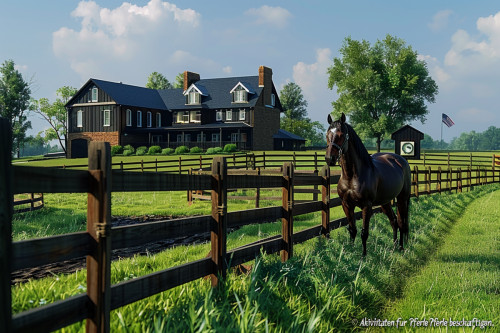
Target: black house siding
[(93, 119), (85, 96)]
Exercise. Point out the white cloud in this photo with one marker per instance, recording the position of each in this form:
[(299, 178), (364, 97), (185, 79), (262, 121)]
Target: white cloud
[(227, 69), (440, 20), (274, 16), (313, 79), (109, 37), (436, 71)]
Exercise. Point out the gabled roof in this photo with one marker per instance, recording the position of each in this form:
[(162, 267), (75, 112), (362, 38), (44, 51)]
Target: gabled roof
[(247, 86), (282, 134), (408, 128), (218, 93), (125, 94), (198, 87)]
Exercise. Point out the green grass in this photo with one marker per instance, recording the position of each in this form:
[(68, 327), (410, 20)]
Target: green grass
[(324, 287), (462, 279)]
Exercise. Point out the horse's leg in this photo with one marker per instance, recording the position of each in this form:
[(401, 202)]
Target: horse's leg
[(367, 214), (387, 210), (403, 204), (349, 213)]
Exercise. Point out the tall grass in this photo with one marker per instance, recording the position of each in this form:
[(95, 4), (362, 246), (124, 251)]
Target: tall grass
[(324, 287)]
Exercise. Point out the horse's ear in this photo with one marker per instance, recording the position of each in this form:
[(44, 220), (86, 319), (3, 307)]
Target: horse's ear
[(330, 120), (342, 118)]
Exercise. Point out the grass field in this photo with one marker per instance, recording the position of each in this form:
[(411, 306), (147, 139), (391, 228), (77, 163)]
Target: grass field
[(462, 280), (325, 287)]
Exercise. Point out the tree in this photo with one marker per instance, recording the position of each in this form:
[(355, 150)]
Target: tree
[(14, 102), (295, 118), (380, 87), (55, 114), (179, 81), (158, 81)]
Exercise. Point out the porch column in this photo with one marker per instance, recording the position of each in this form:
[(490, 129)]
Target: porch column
[(220, 137)]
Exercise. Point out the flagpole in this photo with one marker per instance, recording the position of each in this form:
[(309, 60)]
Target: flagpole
[(441, 143)]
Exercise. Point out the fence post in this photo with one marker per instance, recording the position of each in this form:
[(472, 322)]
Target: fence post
[(325, 198), (156, 165), (99, 228), (32, 203), (257, 192), (264, 159), (180, 165), (448, 160), (439, 180), (190, 190), (287, 204), (469, 177), (218, 226), (415, 180), (471, 160), (459, 180), (6, 202), (450, 178), (424, 160)]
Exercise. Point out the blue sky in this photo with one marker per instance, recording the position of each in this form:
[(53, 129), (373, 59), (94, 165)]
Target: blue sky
[(58, 43)]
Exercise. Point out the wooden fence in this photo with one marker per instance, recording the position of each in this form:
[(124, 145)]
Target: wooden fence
[(35, 202), (97, 242), (252, 161)]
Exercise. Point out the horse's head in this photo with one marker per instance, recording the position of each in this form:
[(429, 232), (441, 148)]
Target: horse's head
[(336, 139)]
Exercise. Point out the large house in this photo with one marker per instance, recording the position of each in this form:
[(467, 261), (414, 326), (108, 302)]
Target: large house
[(204, 113)]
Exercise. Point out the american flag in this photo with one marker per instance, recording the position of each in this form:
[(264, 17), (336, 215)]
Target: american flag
[(447, 120)]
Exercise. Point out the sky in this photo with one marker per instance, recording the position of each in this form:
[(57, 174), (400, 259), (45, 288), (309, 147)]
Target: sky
[(64, 43)]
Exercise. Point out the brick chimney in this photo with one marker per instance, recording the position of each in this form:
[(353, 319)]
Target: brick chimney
[(265, 76), (189, 78)]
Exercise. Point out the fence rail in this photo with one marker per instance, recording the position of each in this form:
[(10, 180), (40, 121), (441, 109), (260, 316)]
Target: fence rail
[(35, 201), (100, 238)]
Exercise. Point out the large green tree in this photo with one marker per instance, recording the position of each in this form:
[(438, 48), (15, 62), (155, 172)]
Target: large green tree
[(14, 102), (380, 87), (55, 114), (179, 81), (295, 119), (158, 81)]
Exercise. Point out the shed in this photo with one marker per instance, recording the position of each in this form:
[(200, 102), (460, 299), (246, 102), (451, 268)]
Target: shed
[(284, 140), (407, 142)]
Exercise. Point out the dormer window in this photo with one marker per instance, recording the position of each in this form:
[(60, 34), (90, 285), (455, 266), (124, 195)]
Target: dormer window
[(240, 93), (193, 94), (95, 95)]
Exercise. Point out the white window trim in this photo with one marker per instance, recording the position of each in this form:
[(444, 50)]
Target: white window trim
[(230, 114), (273, 100), (79, 118), (158, 120), (139, 118), (108, 112), (218, 115), (242, 114), (128, 117), (96, 94), (149, 119)]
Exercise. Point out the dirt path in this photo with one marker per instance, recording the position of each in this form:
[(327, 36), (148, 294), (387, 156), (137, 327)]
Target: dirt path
[(71, 266)]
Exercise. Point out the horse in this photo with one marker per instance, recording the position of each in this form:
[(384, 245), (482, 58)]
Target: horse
[(368, 181)]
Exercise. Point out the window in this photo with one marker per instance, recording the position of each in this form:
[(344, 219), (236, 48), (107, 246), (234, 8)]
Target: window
[(107, 117), (139, 119), (95, 96), (235, 137), (158, 120), (182, 117), (79, 118), (193, 97), (201, 137), (229, 115), (128, 117), (240, 95), (187, 137), (157, 139), (215, 137), (149, 119), (218, 115), (273, 100), (242, 114), (179, 137), (195, 116)]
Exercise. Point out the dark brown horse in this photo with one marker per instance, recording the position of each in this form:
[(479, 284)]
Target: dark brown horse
[(368, 181)]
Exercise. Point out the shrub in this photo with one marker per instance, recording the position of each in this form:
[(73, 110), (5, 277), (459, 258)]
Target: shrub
[(141, 151), (167, 151), (129, 147), (127, 152), (116, 150), (211, 151), (153, 150), (218, 150), (181, 150), (196, 150), (230, 147)]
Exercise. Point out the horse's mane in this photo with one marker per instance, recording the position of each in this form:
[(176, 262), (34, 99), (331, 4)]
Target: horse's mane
[(360, 147)]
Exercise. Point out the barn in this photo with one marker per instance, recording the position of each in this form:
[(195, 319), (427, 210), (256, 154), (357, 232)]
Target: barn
[(407, 142)]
